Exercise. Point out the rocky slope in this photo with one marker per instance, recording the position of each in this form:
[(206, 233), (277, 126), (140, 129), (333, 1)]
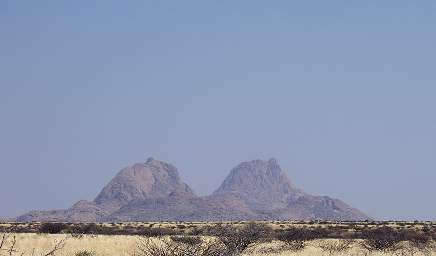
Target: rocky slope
[(153, 191)]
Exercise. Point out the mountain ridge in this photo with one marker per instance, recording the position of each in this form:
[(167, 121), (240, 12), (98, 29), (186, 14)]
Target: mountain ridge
[(154, 191)]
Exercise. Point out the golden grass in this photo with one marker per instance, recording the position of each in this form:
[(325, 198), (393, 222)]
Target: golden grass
[(38, 244)]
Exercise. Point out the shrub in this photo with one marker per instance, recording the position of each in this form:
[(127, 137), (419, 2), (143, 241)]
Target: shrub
[(297, 234), (335, 247), (180, 246), (296, 238), (85, 229), (187, 240), (295, 245), (381, 239), (52, 228), (153, 232), (256, 232), (237, 240), (419, 241)]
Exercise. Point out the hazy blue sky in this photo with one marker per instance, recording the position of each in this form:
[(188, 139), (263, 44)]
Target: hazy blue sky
[(342, 93)]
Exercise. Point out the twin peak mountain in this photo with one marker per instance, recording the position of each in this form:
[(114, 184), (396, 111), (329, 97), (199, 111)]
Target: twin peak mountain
[(153, 191)]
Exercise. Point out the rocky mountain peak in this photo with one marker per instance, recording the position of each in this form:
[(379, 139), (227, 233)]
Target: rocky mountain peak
[(262, 184), (153, 179), (247, 175), (153, 191)]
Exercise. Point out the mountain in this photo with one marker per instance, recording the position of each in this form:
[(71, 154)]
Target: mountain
[(267, 191), (153, 191), (261, 184), (141, 181), (153, 179)]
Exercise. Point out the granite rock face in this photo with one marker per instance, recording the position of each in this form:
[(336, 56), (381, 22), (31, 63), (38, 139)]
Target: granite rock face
[(153, 179), (261, 184), (153, 191)]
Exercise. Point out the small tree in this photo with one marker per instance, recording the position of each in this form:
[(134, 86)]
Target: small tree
[(237, 240)]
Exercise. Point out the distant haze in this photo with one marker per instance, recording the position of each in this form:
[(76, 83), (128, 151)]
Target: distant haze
[(343, 95)]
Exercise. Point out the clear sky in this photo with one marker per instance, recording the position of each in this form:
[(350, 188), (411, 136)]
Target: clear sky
[(342, 93)]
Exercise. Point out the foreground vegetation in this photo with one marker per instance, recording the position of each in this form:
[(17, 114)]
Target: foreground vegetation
[(218, 239)]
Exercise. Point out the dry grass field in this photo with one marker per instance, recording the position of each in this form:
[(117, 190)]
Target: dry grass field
[(260, 238)]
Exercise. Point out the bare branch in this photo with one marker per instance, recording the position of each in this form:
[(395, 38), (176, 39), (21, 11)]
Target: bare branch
[(58, 246), (11, 249), (5, 237)]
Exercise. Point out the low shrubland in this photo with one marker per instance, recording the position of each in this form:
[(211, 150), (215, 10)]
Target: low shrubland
[(224, 239)]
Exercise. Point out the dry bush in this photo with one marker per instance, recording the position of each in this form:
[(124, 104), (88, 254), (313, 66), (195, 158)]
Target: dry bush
[(296, 238), (293, 234), (53, 228), (295, 246), (399, 242), (410, 248), (406, 249), (335, 247), (179, 246), (77, 230), (421, 242), (150, 247), (227, 241), (384, 239), (236, 240)]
